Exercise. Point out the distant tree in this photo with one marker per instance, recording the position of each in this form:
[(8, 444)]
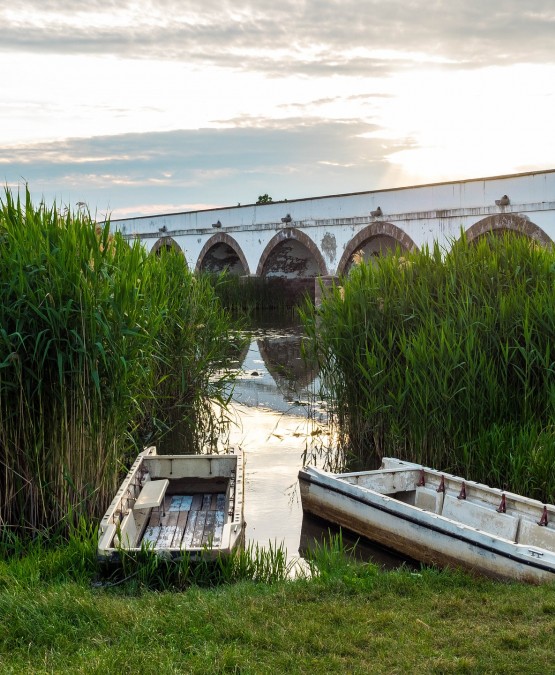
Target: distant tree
[(264, 199)]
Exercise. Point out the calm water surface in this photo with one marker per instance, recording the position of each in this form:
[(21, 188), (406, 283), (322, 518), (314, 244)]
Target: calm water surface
[(278, 434), (275, 431)]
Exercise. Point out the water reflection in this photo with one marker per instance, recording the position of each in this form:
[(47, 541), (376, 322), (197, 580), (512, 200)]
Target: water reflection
[(273, 373), (277, 431)]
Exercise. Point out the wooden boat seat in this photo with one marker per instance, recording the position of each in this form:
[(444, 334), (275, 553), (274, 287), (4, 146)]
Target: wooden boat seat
[(482, 518), (152, 494), (126, 535), (531, 534)]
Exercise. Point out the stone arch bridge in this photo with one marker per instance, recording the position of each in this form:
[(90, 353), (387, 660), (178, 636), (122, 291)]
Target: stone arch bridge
[(301, 239)]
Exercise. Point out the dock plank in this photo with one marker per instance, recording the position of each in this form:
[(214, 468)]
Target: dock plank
[(189, 521), (181, 503), (167, 530), (197, 502), (151, 534), (219, 520), (182, 517), (208, 534)]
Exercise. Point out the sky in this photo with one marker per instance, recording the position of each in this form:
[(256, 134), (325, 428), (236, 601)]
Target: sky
[(145, 107)]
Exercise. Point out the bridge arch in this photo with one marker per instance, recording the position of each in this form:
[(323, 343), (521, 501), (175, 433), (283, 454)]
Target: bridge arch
[(375, 239), (507, 222), (286, 256), (221, 252), (165, 243)]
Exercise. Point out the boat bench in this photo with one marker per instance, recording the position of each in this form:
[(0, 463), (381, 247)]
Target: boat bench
[(429, 499), (480, 517), (151, 497), (466, 512), (152, 494), (531, 534)]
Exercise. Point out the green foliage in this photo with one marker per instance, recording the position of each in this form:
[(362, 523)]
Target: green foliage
[(189, 371), (37, 562), (264, 199), (331, 561), (147, 570), (252, 295), (98, 342), (447, 360)]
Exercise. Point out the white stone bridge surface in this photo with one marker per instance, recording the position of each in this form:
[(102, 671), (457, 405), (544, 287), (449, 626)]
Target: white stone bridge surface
[(320, 236)]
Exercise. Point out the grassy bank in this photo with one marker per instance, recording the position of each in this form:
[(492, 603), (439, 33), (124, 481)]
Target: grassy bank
[(447, 360), (102, 348), (349, 618)]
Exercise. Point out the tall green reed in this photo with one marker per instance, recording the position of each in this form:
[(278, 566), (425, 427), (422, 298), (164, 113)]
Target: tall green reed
[(90, 348), (441, 357), (191, 375)]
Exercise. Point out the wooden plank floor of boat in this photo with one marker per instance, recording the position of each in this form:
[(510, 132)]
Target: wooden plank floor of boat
[(187, 521)]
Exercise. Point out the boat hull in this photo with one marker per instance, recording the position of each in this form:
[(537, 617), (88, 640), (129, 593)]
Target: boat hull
[(419, 534)]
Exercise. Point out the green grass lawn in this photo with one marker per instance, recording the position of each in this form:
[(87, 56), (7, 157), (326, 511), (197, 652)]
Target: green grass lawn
[(353, 619)]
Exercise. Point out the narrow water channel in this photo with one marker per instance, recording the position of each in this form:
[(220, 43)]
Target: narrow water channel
[(276, 432), (279, 432)]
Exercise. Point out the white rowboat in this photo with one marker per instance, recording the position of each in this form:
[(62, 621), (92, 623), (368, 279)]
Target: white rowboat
[(176, 504), (438, 518)]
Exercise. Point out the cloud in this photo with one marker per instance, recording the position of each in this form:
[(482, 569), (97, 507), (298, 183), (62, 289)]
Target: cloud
[(216, 167), (314, 37)]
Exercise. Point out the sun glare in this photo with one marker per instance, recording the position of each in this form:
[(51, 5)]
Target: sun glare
[(457, 124)]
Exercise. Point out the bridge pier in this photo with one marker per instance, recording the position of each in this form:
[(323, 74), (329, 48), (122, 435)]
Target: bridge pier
[(322, 285)]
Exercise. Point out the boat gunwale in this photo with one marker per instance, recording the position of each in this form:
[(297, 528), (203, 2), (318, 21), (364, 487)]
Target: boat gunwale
[(409, 466)]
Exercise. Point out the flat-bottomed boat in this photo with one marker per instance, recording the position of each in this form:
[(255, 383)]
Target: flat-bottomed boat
[(176, 504)]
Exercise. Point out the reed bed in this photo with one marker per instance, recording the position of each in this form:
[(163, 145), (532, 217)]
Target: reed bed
[(446, 359), (98, 343), (248, 296), (191, 370)]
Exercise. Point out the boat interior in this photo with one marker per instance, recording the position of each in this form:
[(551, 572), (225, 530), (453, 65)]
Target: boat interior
[(502, 514)]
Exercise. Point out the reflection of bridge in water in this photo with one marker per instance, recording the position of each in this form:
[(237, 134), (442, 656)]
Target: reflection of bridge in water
[(306, 238), (274, 374)]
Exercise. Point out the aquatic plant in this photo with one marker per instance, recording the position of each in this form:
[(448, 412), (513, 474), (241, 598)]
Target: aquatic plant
[(98, 341), (446, 359), (248, 296)]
